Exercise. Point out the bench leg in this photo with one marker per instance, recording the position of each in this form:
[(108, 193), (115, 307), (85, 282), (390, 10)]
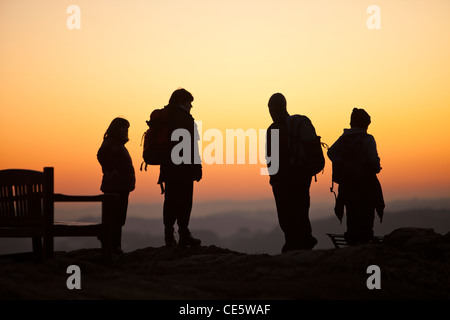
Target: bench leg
[(37, 247), (106, 237), (48, 246), (107, 246)]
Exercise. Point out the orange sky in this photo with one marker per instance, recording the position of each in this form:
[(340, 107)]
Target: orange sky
[(60, 88)]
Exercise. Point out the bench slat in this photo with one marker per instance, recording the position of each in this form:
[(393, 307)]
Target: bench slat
[(339, 239)]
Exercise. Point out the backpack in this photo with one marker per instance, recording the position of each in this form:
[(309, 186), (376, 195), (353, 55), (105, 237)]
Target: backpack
[(156, 139), (349, 166), (304, 145)]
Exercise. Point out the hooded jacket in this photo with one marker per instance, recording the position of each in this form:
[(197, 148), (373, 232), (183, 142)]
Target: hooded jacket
[(369, 187), (180, 118), (117, 167)]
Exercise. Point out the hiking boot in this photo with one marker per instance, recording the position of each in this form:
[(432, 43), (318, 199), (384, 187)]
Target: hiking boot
[(314, 242), (170, 240), (309, 244), (286, 248), (305, 245), (187, 240), (117, 250)]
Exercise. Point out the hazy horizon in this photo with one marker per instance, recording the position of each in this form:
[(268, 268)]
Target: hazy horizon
[(253, 231), (318, 209)]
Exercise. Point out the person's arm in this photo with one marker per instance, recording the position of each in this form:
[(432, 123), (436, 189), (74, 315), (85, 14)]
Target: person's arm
[(372, 154), (105, 158), (333, 150)]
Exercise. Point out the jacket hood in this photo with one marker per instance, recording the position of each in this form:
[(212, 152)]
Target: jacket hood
[(354, 131)]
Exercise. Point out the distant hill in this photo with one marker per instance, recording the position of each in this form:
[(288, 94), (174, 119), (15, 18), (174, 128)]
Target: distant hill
[(271, 241), (319, 210)]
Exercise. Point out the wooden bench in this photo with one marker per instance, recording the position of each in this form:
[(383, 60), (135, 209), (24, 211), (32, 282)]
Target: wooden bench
[(339, 240), (27, 210)]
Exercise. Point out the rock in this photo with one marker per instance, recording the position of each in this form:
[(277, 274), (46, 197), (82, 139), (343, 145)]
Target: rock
[(407, 237), (425, 242)]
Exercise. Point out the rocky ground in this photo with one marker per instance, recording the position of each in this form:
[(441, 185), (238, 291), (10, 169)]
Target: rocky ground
[(414, 264)]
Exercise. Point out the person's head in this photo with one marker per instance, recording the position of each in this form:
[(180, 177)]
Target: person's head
[(359, 119), (181, 97), (277, 107), (118, 129)]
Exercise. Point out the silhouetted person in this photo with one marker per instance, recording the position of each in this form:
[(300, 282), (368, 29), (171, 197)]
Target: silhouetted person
[(290, 184), (355, 167), (178, 179), (118, 174)]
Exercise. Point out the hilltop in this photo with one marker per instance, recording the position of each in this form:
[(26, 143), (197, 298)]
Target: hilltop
[(414, 264)]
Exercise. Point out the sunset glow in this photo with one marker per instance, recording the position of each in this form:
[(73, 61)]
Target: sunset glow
[(60, 88)]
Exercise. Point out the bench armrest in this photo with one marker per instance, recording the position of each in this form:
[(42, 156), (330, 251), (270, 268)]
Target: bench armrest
[(58, 197)]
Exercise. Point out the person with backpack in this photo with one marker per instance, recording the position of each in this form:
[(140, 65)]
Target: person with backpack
[(177, 179), (118, 174), (300, 157), (356, 164)]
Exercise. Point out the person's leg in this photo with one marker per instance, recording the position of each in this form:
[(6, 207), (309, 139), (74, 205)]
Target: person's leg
[(367, 220), (359, 225), (283, 201), (360, 217), (170, 209), (119, 218), (186, 193), (185, 199), (351, 234), (301, 205)]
